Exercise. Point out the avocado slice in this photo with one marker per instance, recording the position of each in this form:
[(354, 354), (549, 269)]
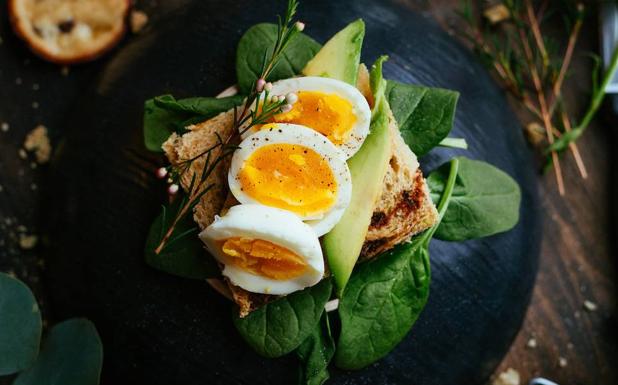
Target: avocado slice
[(340, 56), (343, 244)]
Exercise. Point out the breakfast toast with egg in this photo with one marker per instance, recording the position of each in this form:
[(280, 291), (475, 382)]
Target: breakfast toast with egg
[(403, 209)]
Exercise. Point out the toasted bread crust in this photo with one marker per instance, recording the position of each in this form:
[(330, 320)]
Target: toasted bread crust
[(405, 207), (199, 138), (68, 31)]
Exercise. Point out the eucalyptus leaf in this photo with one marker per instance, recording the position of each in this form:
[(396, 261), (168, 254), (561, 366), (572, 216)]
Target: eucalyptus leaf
[(164, 115), (259, 41), (315, 354), (485, 201), (385, 296), (20, 326), (72, 354), (425, 115), (279, 327), (184, 254)]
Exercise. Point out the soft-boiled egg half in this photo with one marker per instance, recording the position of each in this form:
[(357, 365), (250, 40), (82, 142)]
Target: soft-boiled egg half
[(293, 168), (331, 107), (265, 250)]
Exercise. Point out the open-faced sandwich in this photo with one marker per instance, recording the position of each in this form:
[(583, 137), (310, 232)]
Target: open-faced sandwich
[(305, 186)]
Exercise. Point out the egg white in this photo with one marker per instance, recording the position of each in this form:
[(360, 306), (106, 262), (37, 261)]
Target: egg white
[(303, 136), (270, 224), (360, 107)]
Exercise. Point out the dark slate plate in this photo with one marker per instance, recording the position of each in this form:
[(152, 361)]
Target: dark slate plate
[(159, 329)]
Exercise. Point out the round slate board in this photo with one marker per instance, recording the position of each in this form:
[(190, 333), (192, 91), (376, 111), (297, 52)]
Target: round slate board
[(160, 329)]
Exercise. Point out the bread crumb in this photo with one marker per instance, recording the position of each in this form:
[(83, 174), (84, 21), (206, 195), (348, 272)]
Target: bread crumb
[(4, 126), (562, 362), (531, 343), (33, 187), (36, 87), (497, 13), (27, 242), (138, 21), (64, 71), (22, 153), (37, 141), (509, 377), (35, 105), (590, 306)]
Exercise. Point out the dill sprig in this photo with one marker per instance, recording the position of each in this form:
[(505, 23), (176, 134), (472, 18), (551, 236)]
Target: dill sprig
[(531, 67), (258, 108)]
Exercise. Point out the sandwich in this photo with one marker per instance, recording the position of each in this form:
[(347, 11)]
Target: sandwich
[(403, 209)]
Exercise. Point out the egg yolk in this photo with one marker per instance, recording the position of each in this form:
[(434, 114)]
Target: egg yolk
[(264, 258), (329, 114), (290, 177)]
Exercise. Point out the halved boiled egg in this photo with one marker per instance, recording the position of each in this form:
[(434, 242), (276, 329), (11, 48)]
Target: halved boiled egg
[(293, 168), (333, 108), (265, 250)]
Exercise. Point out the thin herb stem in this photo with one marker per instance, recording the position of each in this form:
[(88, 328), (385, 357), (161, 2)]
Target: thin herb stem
[(543, 107)]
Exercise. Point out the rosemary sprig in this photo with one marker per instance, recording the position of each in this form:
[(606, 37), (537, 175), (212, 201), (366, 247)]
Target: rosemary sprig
[(258, 108), (533, 71)]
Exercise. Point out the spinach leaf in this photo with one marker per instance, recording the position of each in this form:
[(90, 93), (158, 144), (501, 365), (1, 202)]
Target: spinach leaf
[(425, 115), (164, 115), (315, 354), (72, 354), (485, 201), (385, 297), (20, 326), (259, 41), (184, 255), (281, 326)]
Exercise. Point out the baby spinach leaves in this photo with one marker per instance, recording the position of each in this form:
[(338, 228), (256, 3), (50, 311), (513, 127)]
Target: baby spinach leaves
[(72, 354), (184, 254), (258, 42), (315, 354), (485, 201), (279, 327), (164, 115), (425, 115), (20, 326), (386, 295)]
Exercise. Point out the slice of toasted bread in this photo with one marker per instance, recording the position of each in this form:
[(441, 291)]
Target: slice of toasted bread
[(69, 31), (405, 207)]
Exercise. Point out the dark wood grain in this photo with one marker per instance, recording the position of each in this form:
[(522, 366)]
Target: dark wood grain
[(578, 257)]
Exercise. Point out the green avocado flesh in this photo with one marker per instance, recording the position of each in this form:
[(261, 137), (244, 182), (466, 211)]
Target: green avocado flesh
[(342, 245), (340, 56)]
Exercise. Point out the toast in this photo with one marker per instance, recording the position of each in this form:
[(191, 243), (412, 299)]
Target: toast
[(69, 31), (403, 210)]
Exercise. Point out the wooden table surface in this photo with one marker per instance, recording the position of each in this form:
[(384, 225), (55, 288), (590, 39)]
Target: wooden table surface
[(561, 339), (573, 345)]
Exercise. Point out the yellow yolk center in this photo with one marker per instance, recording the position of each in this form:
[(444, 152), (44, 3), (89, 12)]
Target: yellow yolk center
[(290, 177), (264, 258), (329, 114)]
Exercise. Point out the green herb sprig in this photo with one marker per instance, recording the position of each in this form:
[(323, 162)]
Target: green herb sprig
[(258, 108), (510, 41)]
